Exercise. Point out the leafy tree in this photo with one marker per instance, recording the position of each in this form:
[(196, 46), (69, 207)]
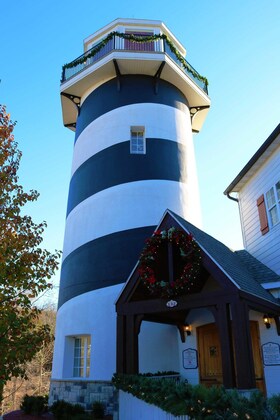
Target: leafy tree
[(25, 268), (38, 369)]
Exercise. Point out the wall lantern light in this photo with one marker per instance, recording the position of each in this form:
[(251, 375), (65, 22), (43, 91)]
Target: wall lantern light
[(188, 329), (267, 321)]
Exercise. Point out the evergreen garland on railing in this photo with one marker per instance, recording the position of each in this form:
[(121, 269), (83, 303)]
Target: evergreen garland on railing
[(139, 39)]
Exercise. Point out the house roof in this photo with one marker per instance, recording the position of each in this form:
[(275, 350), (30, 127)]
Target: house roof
[(240, 267), (257, 160), (260, 272)]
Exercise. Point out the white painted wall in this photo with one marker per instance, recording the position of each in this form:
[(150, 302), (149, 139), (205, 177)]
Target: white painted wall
[(264, 247), (196, 318), (93, 314), (158, 348)]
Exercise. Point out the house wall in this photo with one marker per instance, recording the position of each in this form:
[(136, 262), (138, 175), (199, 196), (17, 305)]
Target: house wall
[(158, 348), (199, 317), (196, 318), (266, 247), (271, 372)]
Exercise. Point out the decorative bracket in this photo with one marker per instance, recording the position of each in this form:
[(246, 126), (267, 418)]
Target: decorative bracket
[(182, 332), (118, 74), (157, 76), (71, 125), (277, 322), (75, 99), (195, 109)]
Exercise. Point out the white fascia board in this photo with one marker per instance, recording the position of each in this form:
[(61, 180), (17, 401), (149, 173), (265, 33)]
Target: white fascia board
[(271, 285)]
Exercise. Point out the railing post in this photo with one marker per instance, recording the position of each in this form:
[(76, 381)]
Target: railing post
[(63, 75)]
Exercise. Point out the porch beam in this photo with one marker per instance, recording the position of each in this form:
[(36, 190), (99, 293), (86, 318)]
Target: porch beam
[(261, 305), (152, 306), (244, 362)]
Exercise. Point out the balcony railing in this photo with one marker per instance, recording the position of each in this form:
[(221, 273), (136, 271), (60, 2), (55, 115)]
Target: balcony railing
[(120, 43)]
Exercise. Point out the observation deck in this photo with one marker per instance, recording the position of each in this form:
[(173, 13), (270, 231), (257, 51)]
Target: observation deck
[(132, 46)]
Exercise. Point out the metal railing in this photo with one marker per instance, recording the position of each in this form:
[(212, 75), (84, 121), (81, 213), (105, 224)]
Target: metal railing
[(117, 43)]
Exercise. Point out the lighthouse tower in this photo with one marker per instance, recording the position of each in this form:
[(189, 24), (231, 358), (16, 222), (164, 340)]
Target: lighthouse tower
[(133, 102)]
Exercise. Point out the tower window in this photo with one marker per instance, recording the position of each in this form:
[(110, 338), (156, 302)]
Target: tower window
[(81, 357), (137, 140)]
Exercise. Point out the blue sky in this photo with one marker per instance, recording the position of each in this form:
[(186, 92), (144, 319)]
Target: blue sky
[(235, 44)]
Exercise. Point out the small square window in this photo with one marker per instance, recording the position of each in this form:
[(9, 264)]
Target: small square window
[(137, 140)]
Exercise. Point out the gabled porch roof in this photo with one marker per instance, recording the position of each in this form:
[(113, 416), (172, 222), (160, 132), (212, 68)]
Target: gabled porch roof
[(231, 268), (227, 288)]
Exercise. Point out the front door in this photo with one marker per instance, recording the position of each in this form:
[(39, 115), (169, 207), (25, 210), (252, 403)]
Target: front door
[(209, 350), (210, 360)]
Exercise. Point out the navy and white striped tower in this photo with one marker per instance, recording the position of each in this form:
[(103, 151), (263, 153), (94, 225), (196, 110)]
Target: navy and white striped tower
[(133, 159)]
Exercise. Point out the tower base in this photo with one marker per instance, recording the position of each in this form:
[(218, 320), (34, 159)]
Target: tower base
[(86, 393)]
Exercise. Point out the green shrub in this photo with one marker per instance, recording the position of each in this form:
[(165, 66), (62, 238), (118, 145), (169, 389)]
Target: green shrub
[(274, 404), (98, 410), (32, 404), (62, 410), (197, 401)]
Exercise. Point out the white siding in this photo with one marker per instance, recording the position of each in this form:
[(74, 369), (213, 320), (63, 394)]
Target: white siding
[(264, 247), (131, 407)]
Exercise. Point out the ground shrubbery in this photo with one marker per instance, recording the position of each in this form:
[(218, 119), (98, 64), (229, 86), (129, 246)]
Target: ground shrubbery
[(61, 410), (34, 404), (199, 402)]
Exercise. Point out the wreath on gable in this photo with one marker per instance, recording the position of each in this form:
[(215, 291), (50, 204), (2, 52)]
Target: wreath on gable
[(188, 262)]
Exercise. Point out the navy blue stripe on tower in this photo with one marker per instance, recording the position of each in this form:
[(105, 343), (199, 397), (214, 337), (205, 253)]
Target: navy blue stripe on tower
[(103, 262), (135, 89), (116, 165)]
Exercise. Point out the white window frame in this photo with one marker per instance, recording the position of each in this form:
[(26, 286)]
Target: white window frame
[(81, 356), (275, 192), (138, 147)]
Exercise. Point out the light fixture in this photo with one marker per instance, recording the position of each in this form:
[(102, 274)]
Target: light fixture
[(187, 329), (267, 321)]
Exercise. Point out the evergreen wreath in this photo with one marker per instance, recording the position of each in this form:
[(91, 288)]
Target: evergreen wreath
[(140, 39), (190, 259)]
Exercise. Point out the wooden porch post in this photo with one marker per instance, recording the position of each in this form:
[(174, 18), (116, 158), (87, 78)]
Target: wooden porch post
[(132, 357), (245, 372), (121, 350), (222, 318)]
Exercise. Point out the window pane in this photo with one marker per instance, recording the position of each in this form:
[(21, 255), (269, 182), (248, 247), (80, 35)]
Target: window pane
[(137, 140), (278, 190), (273, 216), (270, 198), (76, 372)]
